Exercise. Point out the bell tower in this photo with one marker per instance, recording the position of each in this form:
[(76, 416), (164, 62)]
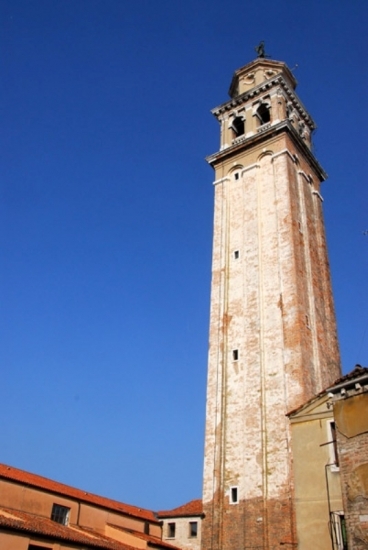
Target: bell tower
[(273, 341)]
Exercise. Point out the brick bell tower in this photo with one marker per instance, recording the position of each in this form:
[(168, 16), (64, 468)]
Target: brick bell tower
[(273, 342)]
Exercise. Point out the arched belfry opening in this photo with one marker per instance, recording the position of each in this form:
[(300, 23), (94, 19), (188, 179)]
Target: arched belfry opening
[(238, 126), (263, 114)]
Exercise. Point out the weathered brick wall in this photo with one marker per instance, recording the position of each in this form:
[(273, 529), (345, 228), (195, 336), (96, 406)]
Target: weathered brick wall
[(272, 307), (251, 524), (271, 301), (351, 418)]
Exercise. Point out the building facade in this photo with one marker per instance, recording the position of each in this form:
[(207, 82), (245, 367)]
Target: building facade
[(273, 342), (182, 526), (37, 513), (319, 511), (350, 410)]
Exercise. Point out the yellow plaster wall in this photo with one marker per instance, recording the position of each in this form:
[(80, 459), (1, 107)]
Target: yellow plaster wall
[(314, 479)]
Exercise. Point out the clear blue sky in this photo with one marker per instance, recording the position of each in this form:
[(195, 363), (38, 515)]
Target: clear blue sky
[(106, 220)]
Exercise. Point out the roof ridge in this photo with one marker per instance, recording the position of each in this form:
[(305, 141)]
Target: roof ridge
[(192, 508)]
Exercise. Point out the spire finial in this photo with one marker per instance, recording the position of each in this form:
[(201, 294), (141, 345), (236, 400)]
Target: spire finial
[(260, 49)]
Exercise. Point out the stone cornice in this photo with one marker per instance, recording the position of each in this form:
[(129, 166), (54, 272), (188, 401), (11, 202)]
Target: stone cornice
[(259, 137), (264, 63), (266, 86), (221, 180)]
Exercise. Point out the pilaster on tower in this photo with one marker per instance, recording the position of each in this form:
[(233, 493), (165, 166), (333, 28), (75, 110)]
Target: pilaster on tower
[(273, 342)]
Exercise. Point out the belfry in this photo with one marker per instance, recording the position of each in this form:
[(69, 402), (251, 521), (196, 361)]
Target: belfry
[(273, 342)]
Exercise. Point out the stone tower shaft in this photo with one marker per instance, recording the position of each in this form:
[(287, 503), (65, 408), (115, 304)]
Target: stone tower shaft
[(273, 341)]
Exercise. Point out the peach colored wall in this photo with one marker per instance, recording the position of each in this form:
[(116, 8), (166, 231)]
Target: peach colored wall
[(125, 537), (155, 530), (9, 541), (13, 542), (96, 518), (34, 501)]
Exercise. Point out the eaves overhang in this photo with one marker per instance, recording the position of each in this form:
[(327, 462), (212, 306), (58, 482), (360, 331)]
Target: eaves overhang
[(265, 135), (349, 383), (184, 515), (309, 408), (266, 63)]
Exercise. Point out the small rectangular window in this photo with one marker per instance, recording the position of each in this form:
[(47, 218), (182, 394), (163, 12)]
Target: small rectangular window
[(193, 529), (234, 495), (338, 530), (235, 355), (60, 514), (236, 254), (236, 175), (332, 446), (171, 530), (334, 454), (146, 528)]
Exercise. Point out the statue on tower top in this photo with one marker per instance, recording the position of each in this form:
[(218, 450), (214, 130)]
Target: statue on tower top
[(260, 49)]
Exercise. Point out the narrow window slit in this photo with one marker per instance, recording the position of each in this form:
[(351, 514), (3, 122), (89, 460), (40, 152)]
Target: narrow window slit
[(234, 495)]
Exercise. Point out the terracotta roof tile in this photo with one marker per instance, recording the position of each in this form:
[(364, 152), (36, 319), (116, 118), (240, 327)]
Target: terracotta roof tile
[(355, 373), (192, 508), (49, 485), (37, 525)]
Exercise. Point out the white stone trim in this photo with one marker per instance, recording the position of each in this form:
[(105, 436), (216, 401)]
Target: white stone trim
[(283, 152), (247, 168), (221, 180), (302, 173), (318, 194), (331, 450)]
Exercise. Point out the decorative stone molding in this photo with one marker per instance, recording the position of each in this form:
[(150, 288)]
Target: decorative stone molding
[(264, 127), (268, 73), (250, 167), (222, 180), (304, 175), (284, 152), (239, 139), (318, 194), (249, 78), (282, 88)]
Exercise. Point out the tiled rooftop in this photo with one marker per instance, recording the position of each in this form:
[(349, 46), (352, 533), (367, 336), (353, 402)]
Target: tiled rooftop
[(352, 375), (192, 508), (49, 485), (37, 525)]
